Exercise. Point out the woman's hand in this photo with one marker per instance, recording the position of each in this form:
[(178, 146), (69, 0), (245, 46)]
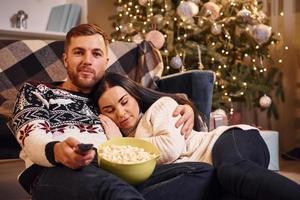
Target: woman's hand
[(110, 128), (186, 119)]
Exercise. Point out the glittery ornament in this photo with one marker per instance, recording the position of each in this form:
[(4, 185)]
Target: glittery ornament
[(196, 1), (210, 10), (143, 2), (187, 10), (176, 62), (158, 19), (244, 13), (156, 37), (216, 29), (261, 33), (120, 9), (137, 38), (265, 101)]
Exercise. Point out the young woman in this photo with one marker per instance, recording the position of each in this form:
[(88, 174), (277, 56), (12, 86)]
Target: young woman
[(239, 153)]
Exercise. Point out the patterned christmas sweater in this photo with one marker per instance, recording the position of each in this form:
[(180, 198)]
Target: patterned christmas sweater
[(45, 114)]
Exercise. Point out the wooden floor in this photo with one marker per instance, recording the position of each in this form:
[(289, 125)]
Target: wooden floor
[(10, 188), (290, 169)]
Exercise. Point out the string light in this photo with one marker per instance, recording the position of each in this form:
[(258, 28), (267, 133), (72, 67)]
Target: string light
[(187, 28)]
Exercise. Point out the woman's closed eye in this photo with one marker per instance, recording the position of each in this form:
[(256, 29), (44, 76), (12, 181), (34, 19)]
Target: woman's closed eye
[(107, 110), (124, 101)]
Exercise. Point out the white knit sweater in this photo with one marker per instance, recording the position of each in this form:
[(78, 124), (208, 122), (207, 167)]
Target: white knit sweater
[(158, 127)]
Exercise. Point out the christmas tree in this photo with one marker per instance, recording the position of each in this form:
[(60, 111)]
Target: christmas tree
[(231, 37)]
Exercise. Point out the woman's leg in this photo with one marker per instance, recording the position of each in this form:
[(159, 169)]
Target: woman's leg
[(87, 183), (188, 181), (241, 158)]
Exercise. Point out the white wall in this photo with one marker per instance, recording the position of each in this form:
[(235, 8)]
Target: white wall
[(38, 12)]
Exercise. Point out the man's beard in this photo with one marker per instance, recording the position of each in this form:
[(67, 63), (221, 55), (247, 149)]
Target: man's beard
[(83, 84)]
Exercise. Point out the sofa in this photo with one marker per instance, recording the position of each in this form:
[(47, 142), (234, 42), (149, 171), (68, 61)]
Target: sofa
[(40, 60)]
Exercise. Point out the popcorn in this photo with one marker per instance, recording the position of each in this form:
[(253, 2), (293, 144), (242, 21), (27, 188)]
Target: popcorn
[(125, 154)]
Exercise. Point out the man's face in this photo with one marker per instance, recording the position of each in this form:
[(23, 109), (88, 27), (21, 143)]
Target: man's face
[(86, 61)]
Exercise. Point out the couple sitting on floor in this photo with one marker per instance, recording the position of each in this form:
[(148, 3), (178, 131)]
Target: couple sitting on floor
[(49, 133)]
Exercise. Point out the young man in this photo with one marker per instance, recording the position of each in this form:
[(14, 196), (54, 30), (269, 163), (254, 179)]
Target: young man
[(51, 120)]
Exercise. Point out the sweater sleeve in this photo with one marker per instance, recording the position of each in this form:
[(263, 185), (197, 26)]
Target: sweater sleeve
[(30, 124), (158, 127)]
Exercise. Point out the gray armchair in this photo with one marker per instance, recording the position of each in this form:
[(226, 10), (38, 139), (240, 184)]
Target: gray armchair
[(197, 85)]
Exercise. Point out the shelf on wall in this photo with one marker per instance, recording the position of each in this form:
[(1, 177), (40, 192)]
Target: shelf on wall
[(13, 33)]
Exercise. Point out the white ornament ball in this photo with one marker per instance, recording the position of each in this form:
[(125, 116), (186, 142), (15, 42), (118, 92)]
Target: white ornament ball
[(261, 33), (210, 10), (244, 13), (137, 38), (176, 62), (265, 101), (156, 37), (187, 10), (143, 2), (194, 7), (216, 29)]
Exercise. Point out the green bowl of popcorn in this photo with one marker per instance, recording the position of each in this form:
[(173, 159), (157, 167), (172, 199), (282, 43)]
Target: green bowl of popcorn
[(132, 159)]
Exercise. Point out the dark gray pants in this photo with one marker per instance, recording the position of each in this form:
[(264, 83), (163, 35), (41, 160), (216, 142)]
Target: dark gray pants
[(189, 181), (241, 159)]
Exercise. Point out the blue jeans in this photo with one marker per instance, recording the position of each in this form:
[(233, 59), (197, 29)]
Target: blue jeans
[(189, 181), (241, 159)]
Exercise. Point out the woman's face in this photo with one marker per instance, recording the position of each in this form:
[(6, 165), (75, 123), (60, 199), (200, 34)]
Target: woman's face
[(120, 106)]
